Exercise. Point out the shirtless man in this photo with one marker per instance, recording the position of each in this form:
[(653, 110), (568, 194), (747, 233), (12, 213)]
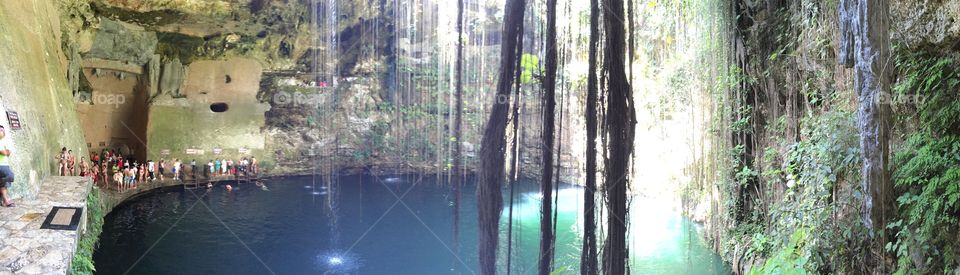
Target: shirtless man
[(161, 167), (71, 163), (254, 166)]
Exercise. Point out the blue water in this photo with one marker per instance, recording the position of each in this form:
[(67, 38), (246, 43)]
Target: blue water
[(356, 225)]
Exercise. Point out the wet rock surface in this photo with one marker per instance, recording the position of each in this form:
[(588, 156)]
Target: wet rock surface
[(123, 42), (922, 22)]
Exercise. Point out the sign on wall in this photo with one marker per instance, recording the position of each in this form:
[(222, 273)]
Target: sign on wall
[(244, 150), (217, 151), (165, 152), (14, 120)]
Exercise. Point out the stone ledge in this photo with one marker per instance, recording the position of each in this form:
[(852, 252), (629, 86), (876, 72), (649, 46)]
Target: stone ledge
[(27, 249), (110, 197), (112, 65)]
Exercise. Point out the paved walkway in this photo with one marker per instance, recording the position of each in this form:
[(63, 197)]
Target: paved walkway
[(27, 249)]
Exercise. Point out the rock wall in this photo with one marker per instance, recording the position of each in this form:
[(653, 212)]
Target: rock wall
[(364, 85), (218, 111), (787, 88), (33, 83), (113, 113)]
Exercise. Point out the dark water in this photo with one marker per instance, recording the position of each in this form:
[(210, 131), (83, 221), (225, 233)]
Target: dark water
[(302, 225)]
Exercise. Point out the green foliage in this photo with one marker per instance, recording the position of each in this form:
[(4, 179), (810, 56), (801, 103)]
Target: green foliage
[(930, 82), (790, 259), (82, 262), (374, 142), (528, 64), (928, 168), (804, 235)]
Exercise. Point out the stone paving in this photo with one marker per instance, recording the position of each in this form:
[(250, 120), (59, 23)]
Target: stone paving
[(27, 249)]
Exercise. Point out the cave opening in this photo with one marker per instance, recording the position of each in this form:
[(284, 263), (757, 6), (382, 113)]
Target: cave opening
[(219, 107)]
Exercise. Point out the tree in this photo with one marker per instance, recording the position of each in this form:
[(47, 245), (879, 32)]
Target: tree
[(619, 124), (547, 140), (588, 255), (493, 144), (515, 151), (458, 130)]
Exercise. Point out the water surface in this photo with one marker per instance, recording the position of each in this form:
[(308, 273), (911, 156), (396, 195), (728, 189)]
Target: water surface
[(357, 225)]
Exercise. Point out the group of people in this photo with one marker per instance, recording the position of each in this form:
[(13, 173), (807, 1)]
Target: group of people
[(227, 167), (110, 166), (125, 172), (67, 163)]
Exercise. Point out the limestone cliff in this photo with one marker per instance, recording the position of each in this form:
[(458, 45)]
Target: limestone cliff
[(326, 85), (33, 83)]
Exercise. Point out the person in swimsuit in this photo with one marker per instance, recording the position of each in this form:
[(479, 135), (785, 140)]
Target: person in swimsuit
[(62, 162), (84, 168), (71, 163), (143, 173), (163, 165)]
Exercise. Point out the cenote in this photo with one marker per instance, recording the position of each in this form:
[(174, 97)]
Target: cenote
[(357, 225)]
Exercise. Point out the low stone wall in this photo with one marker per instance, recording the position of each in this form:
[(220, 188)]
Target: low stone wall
[(110, 197)]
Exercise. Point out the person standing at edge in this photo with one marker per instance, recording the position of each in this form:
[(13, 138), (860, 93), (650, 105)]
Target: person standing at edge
[(71, 163), (254, 166), (62, 162), (6, 175)]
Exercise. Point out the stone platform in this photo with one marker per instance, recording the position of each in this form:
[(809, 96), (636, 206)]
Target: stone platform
[(27, 249)]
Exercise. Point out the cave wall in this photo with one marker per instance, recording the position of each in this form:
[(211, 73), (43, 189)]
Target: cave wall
[(790, 91), (33, 77), (389, 107), (190, 122), (113, 114)]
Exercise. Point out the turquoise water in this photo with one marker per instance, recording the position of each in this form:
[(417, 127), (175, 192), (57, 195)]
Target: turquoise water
[(301, 225)]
